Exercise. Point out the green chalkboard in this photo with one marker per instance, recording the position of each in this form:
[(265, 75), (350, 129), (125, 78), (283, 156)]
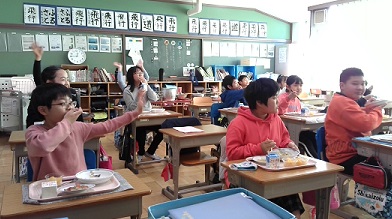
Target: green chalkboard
[(171, 54)]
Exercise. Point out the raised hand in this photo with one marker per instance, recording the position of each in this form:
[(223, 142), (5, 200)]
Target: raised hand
[(38, 51), (73, 114), (118, 65)]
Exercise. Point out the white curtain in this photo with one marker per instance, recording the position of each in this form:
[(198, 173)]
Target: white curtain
[(356, 34)]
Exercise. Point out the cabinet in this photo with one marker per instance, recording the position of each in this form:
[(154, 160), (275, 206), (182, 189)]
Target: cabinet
[(248, 69), (98, 96), (77, 73), (231, 69)]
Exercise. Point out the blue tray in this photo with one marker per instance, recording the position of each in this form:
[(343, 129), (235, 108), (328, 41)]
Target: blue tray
[(159, 210)]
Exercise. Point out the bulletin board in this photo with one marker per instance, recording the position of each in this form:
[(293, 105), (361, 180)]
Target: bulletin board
[(171, 54)]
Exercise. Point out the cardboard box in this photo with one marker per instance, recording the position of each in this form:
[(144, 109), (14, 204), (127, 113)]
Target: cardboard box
[(248, 61)]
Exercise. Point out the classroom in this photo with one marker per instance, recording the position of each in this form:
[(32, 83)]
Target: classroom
[(193, 150)]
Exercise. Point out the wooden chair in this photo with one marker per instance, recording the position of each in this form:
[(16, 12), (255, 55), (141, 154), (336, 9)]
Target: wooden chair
[(203, 101)]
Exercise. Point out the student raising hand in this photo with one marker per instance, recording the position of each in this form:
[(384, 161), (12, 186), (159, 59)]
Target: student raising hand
[(38, 51), (73, 114)]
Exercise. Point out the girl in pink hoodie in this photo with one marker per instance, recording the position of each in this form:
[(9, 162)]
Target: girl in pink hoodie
[(56, 147)]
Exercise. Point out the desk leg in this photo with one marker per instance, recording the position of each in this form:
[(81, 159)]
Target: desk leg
[(322, 203), (173, 194)]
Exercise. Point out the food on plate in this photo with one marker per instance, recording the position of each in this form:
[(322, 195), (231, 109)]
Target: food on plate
[(293, 162), (58, 180), (77, 187)]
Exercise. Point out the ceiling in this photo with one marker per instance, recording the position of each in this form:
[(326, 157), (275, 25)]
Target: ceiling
[(288, 10)]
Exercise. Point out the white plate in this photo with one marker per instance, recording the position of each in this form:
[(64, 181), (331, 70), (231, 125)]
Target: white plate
[(157, 110), (378, 102), (258, 159), (69, 188), (292, 114), (286, 153), (97, 176), (146, 111)]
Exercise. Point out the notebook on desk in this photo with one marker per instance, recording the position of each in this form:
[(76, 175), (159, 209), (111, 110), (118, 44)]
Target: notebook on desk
[(188, 129)]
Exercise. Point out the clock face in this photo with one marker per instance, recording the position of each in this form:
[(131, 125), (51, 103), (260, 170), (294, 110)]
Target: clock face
[(76, 56)]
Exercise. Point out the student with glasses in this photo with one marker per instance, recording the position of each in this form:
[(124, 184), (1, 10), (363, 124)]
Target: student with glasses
[(56, 146), (51, 74)]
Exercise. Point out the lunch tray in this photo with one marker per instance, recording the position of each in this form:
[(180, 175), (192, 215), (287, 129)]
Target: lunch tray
[(311, 163), (35, 190)]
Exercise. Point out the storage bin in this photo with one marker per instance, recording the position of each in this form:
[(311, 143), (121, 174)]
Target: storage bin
[(159, 210)]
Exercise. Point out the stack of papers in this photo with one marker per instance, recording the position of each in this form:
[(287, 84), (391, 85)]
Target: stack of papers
[(188, 129)]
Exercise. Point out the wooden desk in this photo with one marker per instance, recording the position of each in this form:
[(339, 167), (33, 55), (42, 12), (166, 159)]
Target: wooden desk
[(115, 205), (148, 119), (200, 108), (316, 101), (178, 140), (269, 185), (229, 113), (368, 148), (296, 125), (17, 143), (383, 127)]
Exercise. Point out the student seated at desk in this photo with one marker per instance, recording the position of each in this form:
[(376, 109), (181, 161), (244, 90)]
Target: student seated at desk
[(120, 79), (136, 81), (243, 81), (233, 93), (56, 146), (282, 84), (258, 129), (289, 103), (346, 119), (51, 74)]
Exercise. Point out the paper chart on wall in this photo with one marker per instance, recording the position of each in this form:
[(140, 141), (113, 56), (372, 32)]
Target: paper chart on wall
[(42, 41), (27, 42), (207, 51), (55, 43)]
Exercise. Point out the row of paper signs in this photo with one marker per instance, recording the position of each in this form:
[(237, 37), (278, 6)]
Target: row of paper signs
[(58, 42), (238, 49)]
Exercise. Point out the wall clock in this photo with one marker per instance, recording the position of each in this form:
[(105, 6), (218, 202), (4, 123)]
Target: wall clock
[(76, 56)]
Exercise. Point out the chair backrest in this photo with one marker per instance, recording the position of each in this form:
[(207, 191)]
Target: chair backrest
[(215, 114), (198, 100), (321, 143), (90, 159), (89, 156), (223, 157), (180, 122)]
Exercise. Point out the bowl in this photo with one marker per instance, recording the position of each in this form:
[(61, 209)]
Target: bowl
[(97, 176), (181, 96)]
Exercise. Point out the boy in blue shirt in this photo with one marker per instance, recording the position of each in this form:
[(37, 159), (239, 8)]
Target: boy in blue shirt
[(233, 93)]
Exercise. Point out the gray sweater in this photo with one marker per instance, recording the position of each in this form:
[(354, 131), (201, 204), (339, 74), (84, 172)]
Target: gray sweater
[(131, 98)]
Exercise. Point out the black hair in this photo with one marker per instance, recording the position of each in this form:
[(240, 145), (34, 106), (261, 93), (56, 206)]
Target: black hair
[(350, 72), (131, 81), (260, 91), (228, 81), (281, 78), (49, 73), (45, 94), (242, 77), (293, 79)]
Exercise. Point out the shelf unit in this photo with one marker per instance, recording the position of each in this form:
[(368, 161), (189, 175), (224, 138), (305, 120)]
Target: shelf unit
[(108, 92), (231, 69), (246, 68)]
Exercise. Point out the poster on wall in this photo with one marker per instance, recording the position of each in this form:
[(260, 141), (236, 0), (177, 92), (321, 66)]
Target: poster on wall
[(147, 22), (31, 14), (244, 29), (214, 27), (134, 21), (234, 28), (224, 27), (27, 42), (253, 30), (81, 42), (193, 25), (121, 19), (48, 15), (63, 16), (116, 44), (42, 41), (171, 24), (204, 26), (93, 44), (78, 17), (55, 42), (104, 44), (93, 17), (107, 19), (262, 29), (159, 22), (68, 42)]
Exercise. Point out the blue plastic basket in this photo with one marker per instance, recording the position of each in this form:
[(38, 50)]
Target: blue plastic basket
[(159, 210)]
